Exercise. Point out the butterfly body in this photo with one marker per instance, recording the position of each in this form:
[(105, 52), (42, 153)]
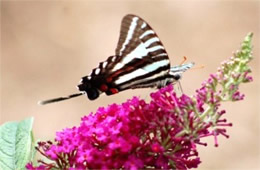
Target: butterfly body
[(140, 61)]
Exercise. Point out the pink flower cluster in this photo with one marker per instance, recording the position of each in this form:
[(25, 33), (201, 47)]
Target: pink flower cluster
[(161, 134)]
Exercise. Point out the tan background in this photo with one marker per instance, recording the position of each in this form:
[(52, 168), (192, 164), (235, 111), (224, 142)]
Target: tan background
[(47, 46)]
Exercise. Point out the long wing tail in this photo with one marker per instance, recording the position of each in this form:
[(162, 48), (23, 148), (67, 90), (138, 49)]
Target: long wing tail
[(44, 102), (181, 68)]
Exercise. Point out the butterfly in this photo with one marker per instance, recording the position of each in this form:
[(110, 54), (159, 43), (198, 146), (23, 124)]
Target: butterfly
[(140, 61)]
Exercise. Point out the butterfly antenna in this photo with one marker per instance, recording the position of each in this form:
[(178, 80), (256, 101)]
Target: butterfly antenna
[(184, 59), (44, 102)]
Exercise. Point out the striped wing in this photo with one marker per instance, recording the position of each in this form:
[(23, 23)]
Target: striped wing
[(140, 60), (140, 49)]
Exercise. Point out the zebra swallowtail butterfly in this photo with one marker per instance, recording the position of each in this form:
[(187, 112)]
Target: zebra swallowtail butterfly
[(140, 61)]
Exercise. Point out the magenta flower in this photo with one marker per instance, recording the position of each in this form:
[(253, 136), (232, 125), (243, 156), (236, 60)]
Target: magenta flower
[(161, 134)]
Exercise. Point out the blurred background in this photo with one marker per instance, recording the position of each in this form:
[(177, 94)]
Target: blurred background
[(47, 46)]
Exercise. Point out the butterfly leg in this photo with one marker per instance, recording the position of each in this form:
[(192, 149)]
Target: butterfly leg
[(178, 88)]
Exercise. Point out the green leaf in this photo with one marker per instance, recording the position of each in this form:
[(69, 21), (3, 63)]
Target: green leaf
[(16, 143)]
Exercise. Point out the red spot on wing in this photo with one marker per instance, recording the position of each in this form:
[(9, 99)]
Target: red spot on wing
[(103, 87), (113, 90)]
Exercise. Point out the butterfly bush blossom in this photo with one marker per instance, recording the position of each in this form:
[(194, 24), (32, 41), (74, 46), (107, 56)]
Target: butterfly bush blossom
[(161, 134)]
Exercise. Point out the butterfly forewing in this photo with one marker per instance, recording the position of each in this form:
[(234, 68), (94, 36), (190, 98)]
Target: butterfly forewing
[(139, 48), (137, 36)]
